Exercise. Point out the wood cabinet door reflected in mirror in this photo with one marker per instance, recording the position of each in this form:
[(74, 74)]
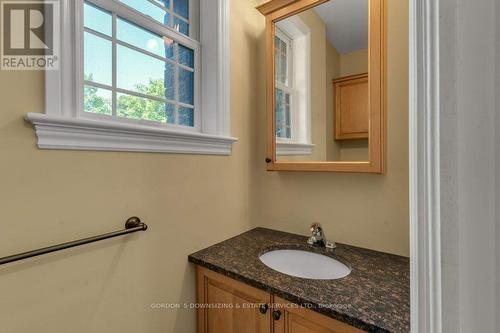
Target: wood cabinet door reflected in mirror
[(325, 85)]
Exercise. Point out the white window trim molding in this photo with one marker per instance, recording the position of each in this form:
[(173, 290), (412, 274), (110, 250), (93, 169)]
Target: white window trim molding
[(425, 211), (85, 134), (61, 126), (292, 148)]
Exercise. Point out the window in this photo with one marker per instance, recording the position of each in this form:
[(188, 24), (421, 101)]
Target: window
[(284, 85), (140, 80)]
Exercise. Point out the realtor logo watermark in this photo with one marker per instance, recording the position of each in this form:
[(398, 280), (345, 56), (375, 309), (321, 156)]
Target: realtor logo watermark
[(29, 35)]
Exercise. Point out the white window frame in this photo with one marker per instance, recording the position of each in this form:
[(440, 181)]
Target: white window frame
[(298, 33), (65, 126)]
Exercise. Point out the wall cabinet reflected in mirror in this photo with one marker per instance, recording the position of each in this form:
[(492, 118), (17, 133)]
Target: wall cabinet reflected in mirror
[(325, 82), (351, 118)]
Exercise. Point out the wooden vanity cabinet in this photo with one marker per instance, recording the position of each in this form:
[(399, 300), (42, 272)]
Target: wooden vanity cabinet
[(250, 310), (351, 107)]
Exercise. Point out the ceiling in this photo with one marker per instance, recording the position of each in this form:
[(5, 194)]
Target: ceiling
[(346, 24)]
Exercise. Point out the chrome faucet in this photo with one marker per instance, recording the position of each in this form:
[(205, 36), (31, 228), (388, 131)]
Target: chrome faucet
[(318, 237)]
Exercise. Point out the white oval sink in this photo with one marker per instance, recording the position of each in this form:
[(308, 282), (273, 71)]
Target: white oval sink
[(304, 264)]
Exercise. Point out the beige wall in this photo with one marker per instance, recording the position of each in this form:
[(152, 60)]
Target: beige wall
[(189, 202), (354, 63), (354, 150), (46, 197)]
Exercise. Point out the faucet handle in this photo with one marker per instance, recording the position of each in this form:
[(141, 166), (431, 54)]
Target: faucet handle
[(317, 235), (330, 245), (315, 227)]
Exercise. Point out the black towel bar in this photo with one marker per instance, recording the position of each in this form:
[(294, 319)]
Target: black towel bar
[(133, 224)]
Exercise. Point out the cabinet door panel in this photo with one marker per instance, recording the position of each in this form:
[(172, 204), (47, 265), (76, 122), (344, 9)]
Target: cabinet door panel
[(351, 107), (298, 320), (297, 324), (232, 307)]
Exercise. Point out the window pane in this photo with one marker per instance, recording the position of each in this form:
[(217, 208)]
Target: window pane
[(97, 100), (186, 116), (279, 108), (170, 113), (148, 9), (282, 114), (97, 19), (97, 59), (181, 8), (170, 81), (186, 56), (170, 47), (186, 86), (165, 3), (287, 115), (283, 48), (181, 26), (139, 72), (144, 39), (284, 70), (280, 61), (163, 13), (277, 68), (134, 107)]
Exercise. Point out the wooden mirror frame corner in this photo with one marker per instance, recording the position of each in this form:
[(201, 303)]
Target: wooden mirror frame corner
[(276, 10)]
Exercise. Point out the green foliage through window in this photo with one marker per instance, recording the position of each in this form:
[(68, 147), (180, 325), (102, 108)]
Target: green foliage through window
[(129, 106), (134, 107), (94, 102)]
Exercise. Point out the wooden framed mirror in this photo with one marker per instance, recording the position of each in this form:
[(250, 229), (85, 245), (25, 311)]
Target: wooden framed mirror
[(325, 85)]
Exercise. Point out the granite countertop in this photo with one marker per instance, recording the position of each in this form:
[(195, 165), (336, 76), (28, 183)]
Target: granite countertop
[(375, 297)]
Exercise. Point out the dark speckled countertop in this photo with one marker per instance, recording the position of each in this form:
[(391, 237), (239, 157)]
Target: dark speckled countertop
[(375, 297)]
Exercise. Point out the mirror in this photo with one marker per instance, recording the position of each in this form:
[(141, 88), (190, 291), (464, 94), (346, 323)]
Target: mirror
[(325, 85)]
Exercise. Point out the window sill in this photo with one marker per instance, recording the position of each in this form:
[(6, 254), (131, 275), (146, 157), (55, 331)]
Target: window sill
[(292, 148), (66, 133)]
